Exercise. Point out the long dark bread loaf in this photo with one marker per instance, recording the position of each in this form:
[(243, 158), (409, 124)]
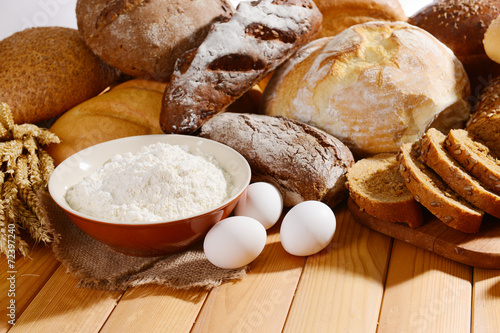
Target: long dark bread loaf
[(235, 55), (303, 162)]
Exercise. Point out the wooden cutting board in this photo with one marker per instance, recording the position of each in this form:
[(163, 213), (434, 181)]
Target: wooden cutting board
[(481, 249)]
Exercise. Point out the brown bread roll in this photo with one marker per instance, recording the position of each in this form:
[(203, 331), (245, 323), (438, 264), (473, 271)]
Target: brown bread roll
[(45, 71), (374, 86), (145, 38), (339, 15), (131, 108), (461, 25), (304, 163)]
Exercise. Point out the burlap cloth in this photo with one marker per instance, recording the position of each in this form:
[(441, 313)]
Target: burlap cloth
[(99, 267)]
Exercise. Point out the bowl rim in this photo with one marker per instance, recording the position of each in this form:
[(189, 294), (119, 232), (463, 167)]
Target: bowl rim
[(62, 203)]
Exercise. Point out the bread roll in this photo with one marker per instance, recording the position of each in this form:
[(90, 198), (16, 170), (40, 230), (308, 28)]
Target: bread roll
[(131, 108), (45, 71), (339, 15), (145, 38), (492, 40), (374, 86), (461, 25)]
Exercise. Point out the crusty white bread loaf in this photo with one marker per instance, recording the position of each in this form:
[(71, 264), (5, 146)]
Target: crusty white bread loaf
[(461, 25), (484, 123), (377, 187), (235, 55), (45, 71), (434, 154), (144, 38), (434, 194), (373, 86), (303, 162), (339, 15)]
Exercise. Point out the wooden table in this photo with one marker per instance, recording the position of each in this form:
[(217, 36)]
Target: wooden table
[(362, 282)]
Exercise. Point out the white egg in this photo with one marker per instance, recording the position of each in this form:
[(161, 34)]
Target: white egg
[(234, 242), (261, 201), (307, 228)]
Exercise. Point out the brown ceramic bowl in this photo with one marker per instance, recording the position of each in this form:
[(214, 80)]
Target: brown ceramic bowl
[(155, 238)]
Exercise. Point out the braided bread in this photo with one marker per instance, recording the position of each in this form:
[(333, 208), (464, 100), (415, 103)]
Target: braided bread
[(235, 55)]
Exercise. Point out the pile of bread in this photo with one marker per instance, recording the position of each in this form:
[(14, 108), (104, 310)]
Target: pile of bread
[(302, 88)]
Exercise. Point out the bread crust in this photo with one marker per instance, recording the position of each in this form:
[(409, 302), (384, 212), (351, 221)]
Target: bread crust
[(235, 55), (434, 154), (396, 205), (339, 15), (46, 71), (303, 162), (435, 195), (475, 158), (144, 38), (484, 123)]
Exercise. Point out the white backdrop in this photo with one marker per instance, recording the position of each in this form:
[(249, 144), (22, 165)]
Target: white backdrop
[(16, 15)]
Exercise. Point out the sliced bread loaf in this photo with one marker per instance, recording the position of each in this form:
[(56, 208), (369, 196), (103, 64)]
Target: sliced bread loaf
[(475, 157), (378, 188), (484, 123), (434, 155), (433, 193)]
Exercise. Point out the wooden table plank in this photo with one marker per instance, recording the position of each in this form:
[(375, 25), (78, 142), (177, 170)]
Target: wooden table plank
[(62, 307), (156, 309), (29, 275), (425, 293), (486, 301), (260, 301), (341, 288)]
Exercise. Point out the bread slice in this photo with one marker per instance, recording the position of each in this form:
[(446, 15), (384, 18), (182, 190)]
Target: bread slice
[(378, 188), (433, 193), (434, 155), (475, 157)]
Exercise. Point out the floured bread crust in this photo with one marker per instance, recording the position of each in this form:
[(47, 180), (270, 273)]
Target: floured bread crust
[(374, 86), (235, 55)]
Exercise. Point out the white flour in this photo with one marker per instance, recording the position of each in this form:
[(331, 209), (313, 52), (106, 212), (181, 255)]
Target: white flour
[(160, 182)]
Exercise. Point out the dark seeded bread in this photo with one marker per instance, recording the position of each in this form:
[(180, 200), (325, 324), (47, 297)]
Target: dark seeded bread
[(433, 193), (378, 188), (484, 123), (440, 160), (475, 157)]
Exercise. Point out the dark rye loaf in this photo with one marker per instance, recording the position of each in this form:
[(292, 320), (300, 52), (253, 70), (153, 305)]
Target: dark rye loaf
[(303, 162)]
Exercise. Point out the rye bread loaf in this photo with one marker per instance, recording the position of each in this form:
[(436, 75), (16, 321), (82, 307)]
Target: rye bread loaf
[(434, 194), (475, 157), (435, 155), (377, 187), (303, 162), (484, 123), (144, 38), (45, 71), (235, 55)]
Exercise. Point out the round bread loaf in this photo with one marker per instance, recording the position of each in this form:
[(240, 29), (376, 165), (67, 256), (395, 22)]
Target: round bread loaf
[(145, 38), (492, 40), (45, 71), (128, 109), (339, 15), (461, 25), (374, 86)]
